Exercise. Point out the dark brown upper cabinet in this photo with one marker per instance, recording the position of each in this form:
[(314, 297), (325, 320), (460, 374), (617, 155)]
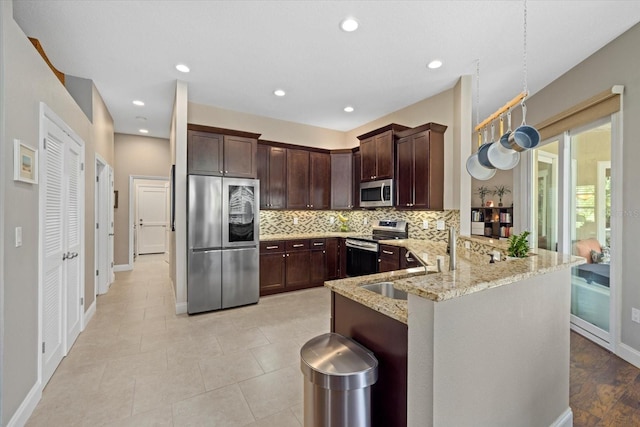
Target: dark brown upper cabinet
[(308, 179), (272, 173), (341, 180), (221, 152), (420, 167), (377, 153)]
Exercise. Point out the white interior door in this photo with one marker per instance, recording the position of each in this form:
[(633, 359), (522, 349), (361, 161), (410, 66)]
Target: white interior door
[(151, 218), (73, 219), (54, 253)]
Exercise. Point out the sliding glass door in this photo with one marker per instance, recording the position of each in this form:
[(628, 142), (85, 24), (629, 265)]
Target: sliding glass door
[(571, 207), (590, 227)]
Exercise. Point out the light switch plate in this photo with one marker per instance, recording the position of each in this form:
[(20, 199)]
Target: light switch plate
[(295, 221), (440, 225), (467, 245), (497, 256), (18, 237), (365, 221), (425, 224), (635, 315), (332, 219)]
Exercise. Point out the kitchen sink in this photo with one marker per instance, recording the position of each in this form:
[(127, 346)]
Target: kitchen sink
[(386, 289)]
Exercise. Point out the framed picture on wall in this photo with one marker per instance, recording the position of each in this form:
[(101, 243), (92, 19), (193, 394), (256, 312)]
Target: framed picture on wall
[(25, 163)]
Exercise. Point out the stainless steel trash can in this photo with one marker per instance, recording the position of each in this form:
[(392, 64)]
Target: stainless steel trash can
[(337, 386)]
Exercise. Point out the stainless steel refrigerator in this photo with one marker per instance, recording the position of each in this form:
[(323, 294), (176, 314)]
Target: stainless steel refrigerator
[(223, 227)]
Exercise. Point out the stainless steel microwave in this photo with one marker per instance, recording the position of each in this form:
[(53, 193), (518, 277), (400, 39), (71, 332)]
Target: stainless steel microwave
[(376, 194)]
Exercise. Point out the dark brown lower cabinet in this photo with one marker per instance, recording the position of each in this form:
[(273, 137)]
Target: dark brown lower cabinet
[(298, 262), (272, 267), (388, 339), (389, 258), (332, 260)]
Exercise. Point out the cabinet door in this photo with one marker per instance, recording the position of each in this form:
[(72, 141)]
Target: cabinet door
[(356, 179), (405, 173), (341, 181), (204, 153), (319, 180), (277, 178), (297, 179), (332, 250), (389, 258), (263, 175), (298, 268), (421, 178), (317, 267), (240, 157), (384, 155), (368, 159), (272, 273)]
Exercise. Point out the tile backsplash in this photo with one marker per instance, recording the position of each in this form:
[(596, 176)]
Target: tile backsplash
[(282, 222)]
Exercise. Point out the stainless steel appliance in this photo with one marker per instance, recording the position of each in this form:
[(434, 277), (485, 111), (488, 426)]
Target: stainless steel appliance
[(362, 251), (376, 194), (223, 239)]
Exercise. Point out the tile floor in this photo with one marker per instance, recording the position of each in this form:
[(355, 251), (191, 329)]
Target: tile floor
[(138, 364)]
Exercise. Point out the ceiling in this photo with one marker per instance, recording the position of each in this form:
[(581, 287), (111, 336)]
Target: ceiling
[(239, 52)]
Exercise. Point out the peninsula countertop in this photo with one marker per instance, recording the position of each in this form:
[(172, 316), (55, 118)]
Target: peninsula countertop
[(473, 274)]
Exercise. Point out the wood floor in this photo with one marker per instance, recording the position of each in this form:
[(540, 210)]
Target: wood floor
[(604, 390)]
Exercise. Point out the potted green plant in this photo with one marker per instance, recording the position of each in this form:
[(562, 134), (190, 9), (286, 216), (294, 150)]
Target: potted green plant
[(482, 192), (518, 245), (500, 191)]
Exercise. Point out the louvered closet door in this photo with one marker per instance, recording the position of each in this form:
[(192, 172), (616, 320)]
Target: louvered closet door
[(53, 249), (72, 228)]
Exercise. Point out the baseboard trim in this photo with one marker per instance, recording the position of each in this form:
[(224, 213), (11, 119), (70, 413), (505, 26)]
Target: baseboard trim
[(27, 407), (181, 308), (123, 267), (629, 354), (88, 315), (564, 420)]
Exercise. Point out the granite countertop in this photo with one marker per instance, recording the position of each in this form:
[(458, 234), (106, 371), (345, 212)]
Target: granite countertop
[(473, 274), (295, 236)]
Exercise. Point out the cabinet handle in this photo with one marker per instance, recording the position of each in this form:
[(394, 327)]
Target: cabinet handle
[(226, 171), (311, 205), (387, 252), (299, 245), (282, 255), (272, 247), (318, 243), (220, 171), (287, 254)]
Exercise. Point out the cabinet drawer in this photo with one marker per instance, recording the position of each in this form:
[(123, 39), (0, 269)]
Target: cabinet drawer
[(297, 245), (317, 244), (387, 251), (271, 247)]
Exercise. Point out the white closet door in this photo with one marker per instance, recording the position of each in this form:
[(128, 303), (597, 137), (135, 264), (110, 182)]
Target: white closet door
[(53, 249), (73, 223), (111, 274), (152, 218)]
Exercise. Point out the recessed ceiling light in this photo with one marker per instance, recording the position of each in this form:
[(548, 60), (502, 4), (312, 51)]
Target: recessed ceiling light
[(436, 63), (349, 25), (182, 68), (348, 109), (138, 103), (141, 118), (143, 131), (279, 92)]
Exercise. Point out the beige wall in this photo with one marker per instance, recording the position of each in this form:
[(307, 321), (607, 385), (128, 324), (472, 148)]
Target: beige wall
[(29, 82), (271, 129), (140, 156), (614, 64), (500, 178)]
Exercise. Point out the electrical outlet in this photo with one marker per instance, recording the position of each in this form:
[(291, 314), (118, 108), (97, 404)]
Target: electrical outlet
[(635, 315), (365, 221), (467, 245), (440, 224), (18, 237), (497, 256), (332, 219), (425, 224), (295, 221)]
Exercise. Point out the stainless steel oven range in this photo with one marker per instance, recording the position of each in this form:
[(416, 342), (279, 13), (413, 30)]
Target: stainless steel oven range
[(362, 251)]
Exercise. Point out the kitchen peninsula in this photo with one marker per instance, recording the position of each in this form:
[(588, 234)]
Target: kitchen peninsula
[(487, 344)]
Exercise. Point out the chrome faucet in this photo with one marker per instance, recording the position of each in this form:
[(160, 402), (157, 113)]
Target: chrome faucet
[(417, 258), (451, 248)]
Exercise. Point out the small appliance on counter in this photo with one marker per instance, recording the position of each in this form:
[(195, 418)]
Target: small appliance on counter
[(223, 239), (362, 251)]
